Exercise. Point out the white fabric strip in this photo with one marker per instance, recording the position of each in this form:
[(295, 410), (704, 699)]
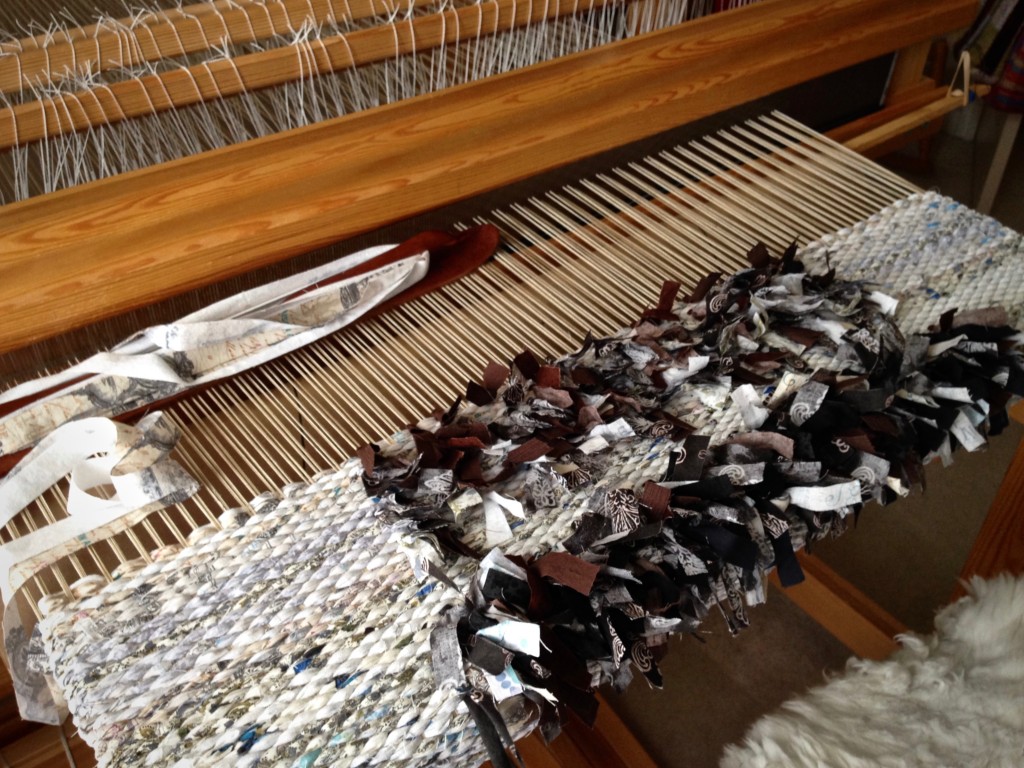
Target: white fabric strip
[(96, 452), (221, 340)]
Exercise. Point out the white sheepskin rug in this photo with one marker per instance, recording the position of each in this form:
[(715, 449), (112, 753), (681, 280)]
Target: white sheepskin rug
[(955, 698)]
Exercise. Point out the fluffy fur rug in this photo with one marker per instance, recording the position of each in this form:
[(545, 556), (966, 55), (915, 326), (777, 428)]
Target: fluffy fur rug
[(955, 698)]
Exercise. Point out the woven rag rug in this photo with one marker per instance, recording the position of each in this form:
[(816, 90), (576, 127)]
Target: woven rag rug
[(478, 574)]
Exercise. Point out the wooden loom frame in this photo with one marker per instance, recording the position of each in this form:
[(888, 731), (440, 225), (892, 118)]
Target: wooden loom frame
[(132, 240)]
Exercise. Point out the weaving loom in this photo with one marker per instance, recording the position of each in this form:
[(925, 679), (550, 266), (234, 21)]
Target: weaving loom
[(750, 185)]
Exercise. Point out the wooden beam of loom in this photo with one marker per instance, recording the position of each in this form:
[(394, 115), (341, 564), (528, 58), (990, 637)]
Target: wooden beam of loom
[(131, 240), (999, 547), (113, 47)]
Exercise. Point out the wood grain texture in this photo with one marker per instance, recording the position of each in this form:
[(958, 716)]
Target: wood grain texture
[(12, 727), (908, 69), (83, 254), (853, 618), (609, 744), (1017, 412), (893, 130), (617, 739), (999, 546), (42, 748), (535, 753)]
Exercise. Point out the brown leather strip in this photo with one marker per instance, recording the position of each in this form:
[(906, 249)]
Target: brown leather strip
[(549, 376), (477, 394), (803, 336), (368, 456), (528, 451), (467, 442), (657, 498), (449, 261), (568, 570), (701, 289), (759, 257), (528, 364), (495, 375)]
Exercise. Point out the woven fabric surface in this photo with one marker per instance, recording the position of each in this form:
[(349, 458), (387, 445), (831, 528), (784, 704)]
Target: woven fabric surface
[(301, 634), (934, 254)]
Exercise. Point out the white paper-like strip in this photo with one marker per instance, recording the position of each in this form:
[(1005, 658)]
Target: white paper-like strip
[(749, 402), (887, 303), (826, 498), (221, 340), (96, 452), (960, 394), (519, 636), (964, 431), (593, 445), (495, 559), (617, 430), (247, 302), (496, 527), (676, 374), (789, 383), (513, 507)]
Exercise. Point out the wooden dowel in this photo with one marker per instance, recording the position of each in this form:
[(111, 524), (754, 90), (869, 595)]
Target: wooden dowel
[(114, 46), (46, 118), (884, 133)]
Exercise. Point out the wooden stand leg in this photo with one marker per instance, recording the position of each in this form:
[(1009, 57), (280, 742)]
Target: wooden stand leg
[(1000, 543)]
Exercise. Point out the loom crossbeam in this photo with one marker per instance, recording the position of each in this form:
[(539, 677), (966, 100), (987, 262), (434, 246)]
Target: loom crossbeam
[(207, 218)]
